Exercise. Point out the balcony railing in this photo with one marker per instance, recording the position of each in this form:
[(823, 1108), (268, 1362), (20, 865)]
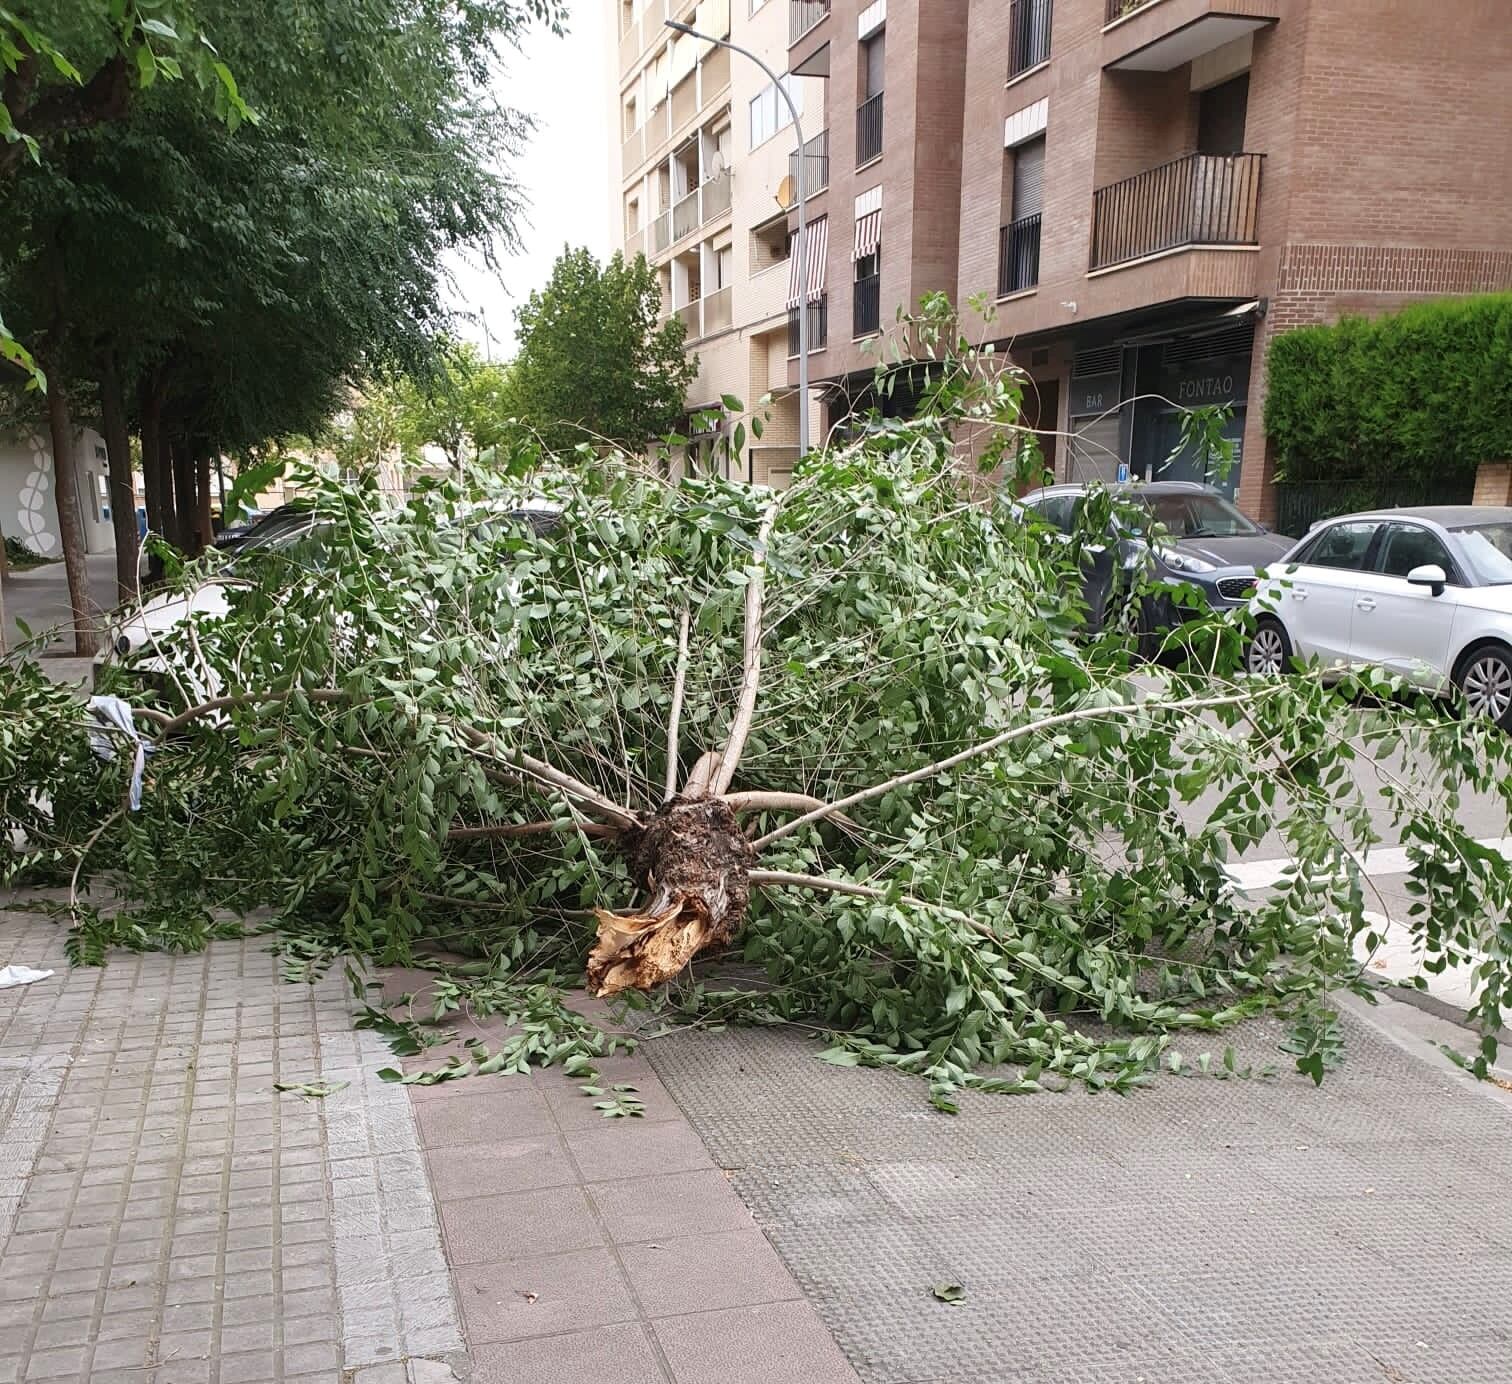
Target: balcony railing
[(661, 233), (1198, 199), (803, 15), (869, 130), (685, 216), (635, 243), (1117, 9), (1028, 34), (1019, 255), (714, 312), (818, 326), (714, 196), (815, 165), (866, 305)]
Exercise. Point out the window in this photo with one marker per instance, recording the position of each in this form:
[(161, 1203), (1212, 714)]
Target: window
[(724, 267), (769, 112), (1019, 247), (1059, 509), (1488, 548), (1405, 546), (1343, 546), (867, 313), (873, 64), (770, 244), (1028, 35), (869, 112)]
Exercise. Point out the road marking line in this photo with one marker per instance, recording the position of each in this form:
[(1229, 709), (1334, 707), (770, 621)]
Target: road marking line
[(1379, 860)]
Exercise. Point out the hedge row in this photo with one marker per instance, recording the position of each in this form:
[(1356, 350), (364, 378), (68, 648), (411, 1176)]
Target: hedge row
[(1425, 393)]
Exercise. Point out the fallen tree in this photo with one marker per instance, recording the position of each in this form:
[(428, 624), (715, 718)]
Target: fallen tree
[(855, 730)]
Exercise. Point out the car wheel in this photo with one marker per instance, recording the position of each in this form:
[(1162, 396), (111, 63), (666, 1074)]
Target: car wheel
[(1270, 651), (1485, 682)]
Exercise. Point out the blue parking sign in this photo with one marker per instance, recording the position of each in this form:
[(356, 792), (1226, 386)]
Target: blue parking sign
[(1123, 472)]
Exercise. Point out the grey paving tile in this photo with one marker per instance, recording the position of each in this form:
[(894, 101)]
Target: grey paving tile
[(635, 1148), (606, 1355), (482, 1115), (702, 1273), (778, 1343), (461, 1171), (654, 1208), (518, 1225), (543, 1295)]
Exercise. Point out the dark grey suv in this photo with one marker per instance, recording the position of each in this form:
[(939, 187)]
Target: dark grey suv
[(1192, 534)]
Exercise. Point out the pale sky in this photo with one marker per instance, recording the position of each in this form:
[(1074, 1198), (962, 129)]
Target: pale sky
[(564, 170)]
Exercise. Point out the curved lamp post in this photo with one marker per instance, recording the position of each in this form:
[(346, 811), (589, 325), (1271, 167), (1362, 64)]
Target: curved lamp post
[(803, 305)]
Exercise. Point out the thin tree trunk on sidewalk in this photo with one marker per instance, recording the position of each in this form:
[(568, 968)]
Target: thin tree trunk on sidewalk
[(202, 485), (3, 566), (157, 476), (183, 494), (70, 525), (122, 491)]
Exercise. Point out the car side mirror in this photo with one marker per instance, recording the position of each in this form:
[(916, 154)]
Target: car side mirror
[(1430, 575)]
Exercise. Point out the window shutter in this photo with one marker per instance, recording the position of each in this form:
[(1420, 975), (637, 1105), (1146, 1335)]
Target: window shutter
[(1028, 179)]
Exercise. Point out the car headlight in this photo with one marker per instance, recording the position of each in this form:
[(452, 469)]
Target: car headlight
[(1184, 562), (122, 645)]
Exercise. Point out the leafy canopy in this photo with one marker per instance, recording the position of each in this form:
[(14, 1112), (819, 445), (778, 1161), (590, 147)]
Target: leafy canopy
[(596, 363)]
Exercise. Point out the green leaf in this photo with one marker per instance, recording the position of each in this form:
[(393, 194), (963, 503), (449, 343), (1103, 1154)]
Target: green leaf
[(952, 1293)]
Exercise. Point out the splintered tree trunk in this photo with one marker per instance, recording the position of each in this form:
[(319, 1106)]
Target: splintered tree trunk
[(122, 491), (693, 861), (183, 495), (70, 524)]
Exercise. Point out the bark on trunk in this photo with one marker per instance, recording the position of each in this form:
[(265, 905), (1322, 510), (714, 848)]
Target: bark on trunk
[(203, 530), (70, 524), (122, 491), (4, 565), (184, 502), (157, 475), (692, 860)]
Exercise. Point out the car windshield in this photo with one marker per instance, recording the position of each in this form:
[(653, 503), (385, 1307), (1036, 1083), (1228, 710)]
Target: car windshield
[(1488, 551), (1196, 514), (276, 528)]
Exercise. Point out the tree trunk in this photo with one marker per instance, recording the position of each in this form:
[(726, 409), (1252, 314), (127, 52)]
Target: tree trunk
[(157, 475), (693, 860), (70, 524), (3, 567), (184, 501), (122, 491), (205, 533)]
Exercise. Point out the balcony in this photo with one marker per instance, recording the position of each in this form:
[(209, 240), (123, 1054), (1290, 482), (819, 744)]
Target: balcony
[(1198, 199), (635, 243), (866, 305), (714, 196), (1019, 255), (661, 234), (869, 130), (697, 208), (709, 314), (1162, 35), (818, 327), (815, 165), (803, 15), (1028, 35)]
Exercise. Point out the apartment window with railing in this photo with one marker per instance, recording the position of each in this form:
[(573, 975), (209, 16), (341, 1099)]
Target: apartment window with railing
[(1019, 239), (1028, 35), (803, 15), (818, 326), (872, 72), (866, 300)]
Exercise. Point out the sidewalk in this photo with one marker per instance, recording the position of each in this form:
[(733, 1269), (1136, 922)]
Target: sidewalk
[(167, 1216)]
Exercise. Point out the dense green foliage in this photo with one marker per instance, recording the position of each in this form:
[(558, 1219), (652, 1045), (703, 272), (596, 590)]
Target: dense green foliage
[(1418, 396), (438, 724), (596, 363)]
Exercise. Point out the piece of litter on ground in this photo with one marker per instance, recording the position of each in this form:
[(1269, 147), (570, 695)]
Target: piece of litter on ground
[(20, 975), (949, 1292), (312, 1090), (530, 1297)]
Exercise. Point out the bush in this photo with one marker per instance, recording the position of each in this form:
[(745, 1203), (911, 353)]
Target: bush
[(18, 557), (1422, 394)]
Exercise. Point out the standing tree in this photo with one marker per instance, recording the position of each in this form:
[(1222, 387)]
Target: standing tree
[(596, 362)]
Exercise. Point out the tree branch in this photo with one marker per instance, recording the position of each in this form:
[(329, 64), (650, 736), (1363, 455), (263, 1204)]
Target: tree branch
[(679, 682), (513, 830), (787, 879), (750, 677), (701, 774), (1090, 713), (783, 802)]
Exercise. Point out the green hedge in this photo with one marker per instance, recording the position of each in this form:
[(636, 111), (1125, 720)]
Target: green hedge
[(1425, 393)]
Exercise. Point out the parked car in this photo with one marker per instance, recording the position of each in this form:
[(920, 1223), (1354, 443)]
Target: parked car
[(297, 535), (1193, 534), (1423, 592)]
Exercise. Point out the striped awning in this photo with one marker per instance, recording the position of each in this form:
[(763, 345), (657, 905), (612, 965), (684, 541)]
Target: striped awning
[(868, 234), (814, 253)]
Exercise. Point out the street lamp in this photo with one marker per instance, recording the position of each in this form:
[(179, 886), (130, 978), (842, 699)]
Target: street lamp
[(803, 306)]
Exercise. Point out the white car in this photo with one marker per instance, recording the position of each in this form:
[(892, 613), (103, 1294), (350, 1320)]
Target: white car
[(1425, 593)]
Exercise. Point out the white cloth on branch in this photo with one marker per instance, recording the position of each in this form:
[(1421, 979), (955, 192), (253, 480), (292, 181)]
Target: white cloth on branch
[(112, 711)]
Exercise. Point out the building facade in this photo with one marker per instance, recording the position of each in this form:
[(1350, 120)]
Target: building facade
[(1149, 190), (706, 172), (29, 506)]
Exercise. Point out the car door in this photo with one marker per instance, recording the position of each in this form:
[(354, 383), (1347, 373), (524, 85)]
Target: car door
[(1402, 628), (1316, 600)]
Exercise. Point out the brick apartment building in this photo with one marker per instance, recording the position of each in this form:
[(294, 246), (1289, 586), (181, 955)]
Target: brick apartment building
[(1150, 189)]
